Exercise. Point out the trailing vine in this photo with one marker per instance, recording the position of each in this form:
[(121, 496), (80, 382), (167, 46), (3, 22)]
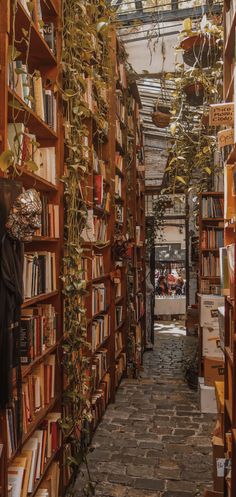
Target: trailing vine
[(85, 54)]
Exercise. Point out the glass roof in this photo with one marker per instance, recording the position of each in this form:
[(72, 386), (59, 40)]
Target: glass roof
[(150, 6)]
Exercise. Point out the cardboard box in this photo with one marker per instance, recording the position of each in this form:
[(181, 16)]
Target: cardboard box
[(209, 310), (207, 398), (211, 343), (218, 464), (213, 370)]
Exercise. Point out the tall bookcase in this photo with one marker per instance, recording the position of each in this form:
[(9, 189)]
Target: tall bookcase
[(211, 229), (113, 239), (20, 30), (229, 242)]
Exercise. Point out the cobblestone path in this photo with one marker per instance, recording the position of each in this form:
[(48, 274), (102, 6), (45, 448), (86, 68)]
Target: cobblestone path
[(154, 442)]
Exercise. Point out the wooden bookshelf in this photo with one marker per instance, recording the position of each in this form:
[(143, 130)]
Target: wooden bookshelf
[(14, 109), (211, 234), (229, 243)]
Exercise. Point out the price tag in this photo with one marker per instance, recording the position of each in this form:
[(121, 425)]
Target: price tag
[(220, 467)]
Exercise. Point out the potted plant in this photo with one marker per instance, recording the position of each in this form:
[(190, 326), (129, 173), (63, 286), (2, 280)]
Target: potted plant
[(194, 93), (161, 115)]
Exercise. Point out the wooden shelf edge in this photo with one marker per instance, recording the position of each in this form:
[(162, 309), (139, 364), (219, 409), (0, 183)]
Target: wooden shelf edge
[(39, 298)]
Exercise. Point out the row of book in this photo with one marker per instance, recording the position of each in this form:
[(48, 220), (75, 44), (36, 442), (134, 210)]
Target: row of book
[(210, 265), (29, 466), (99, 165), (207, 287), (49, 219), (120, 107), (25, 148), (118, 315), (97, 266), (101, 197), (38, 390), (120, 368), (100, 330), (99, 367), (38, 331), (95, 229), (39, 274), (31, 90), (118, 288), (212, 207), (99, 301), (45, 28), (212, 238), (100, 399)]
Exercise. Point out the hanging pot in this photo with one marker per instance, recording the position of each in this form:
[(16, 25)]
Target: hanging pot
[(161, 116), (199, 50), (194, 93)]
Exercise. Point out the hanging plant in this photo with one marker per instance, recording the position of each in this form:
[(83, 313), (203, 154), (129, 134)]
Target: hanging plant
[(161, 116), (194, 93)]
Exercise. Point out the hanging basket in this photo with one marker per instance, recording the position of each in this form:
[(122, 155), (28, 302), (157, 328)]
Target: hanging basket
[(199, 50), (194, 94), (161, 117)]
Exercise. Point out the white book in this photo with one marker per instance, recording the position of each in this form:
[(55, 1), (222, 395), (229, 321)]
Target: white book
[(39, 435), (32, 445), (15, 479)]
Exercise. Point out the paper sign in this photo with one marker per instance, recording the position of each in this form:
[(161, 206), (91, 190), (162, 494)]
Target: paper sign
[(220, 467), (225, 137), (221, 114)]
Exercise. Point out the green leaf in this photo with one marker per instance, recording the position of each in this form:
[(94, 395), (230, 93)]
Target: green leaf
[(208, 170), (31, 165), (181, 180), (6, 159)]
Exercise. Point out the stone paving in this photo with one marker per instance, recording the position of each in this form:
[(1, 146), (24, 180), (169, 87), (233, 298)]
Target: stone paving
[(154, 442)]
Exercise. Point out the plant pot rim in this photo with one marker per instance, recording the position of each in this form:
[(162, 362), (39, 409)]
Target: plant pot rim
[(190, 86), (195, 40), (162, 109)]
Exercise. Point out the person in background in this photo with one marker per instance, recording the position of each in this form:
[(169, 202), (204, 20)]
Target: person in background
[(179, 286), (162, 288)]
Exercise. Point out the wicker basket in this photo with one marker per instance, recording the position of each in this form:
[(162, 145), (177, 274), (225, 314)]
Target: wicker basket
[(161, 117), (194, 94)]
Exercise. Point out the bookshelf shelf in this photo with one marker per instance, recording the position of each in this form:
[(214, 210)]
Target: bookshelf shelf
[(120, 326), (39, 183), (36, 125), (46, 468), (39, 51), (39, 298)]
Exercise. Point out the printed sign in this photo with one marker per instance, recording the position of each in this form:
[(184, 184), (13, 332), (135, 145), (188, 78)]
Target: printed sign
[(225, 137), (220, 467), (221, 114)]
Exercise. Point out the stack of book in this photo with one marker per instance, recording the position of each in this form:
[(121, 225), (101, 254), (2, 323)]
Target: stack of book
[(95, 229), (98, 298), (210, 265), (28, 467), (39, 274), (31, 90), (99, 367), (38, 390), (101, 197), (24, 146), (38, 331), (212, 207), (97, 265), (100, 330), (49, 219), (100, 399), (212, 238)]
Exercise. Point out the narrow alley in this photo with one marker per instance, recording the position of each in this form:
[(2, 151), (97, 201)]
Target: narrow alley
[(154, 442)]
